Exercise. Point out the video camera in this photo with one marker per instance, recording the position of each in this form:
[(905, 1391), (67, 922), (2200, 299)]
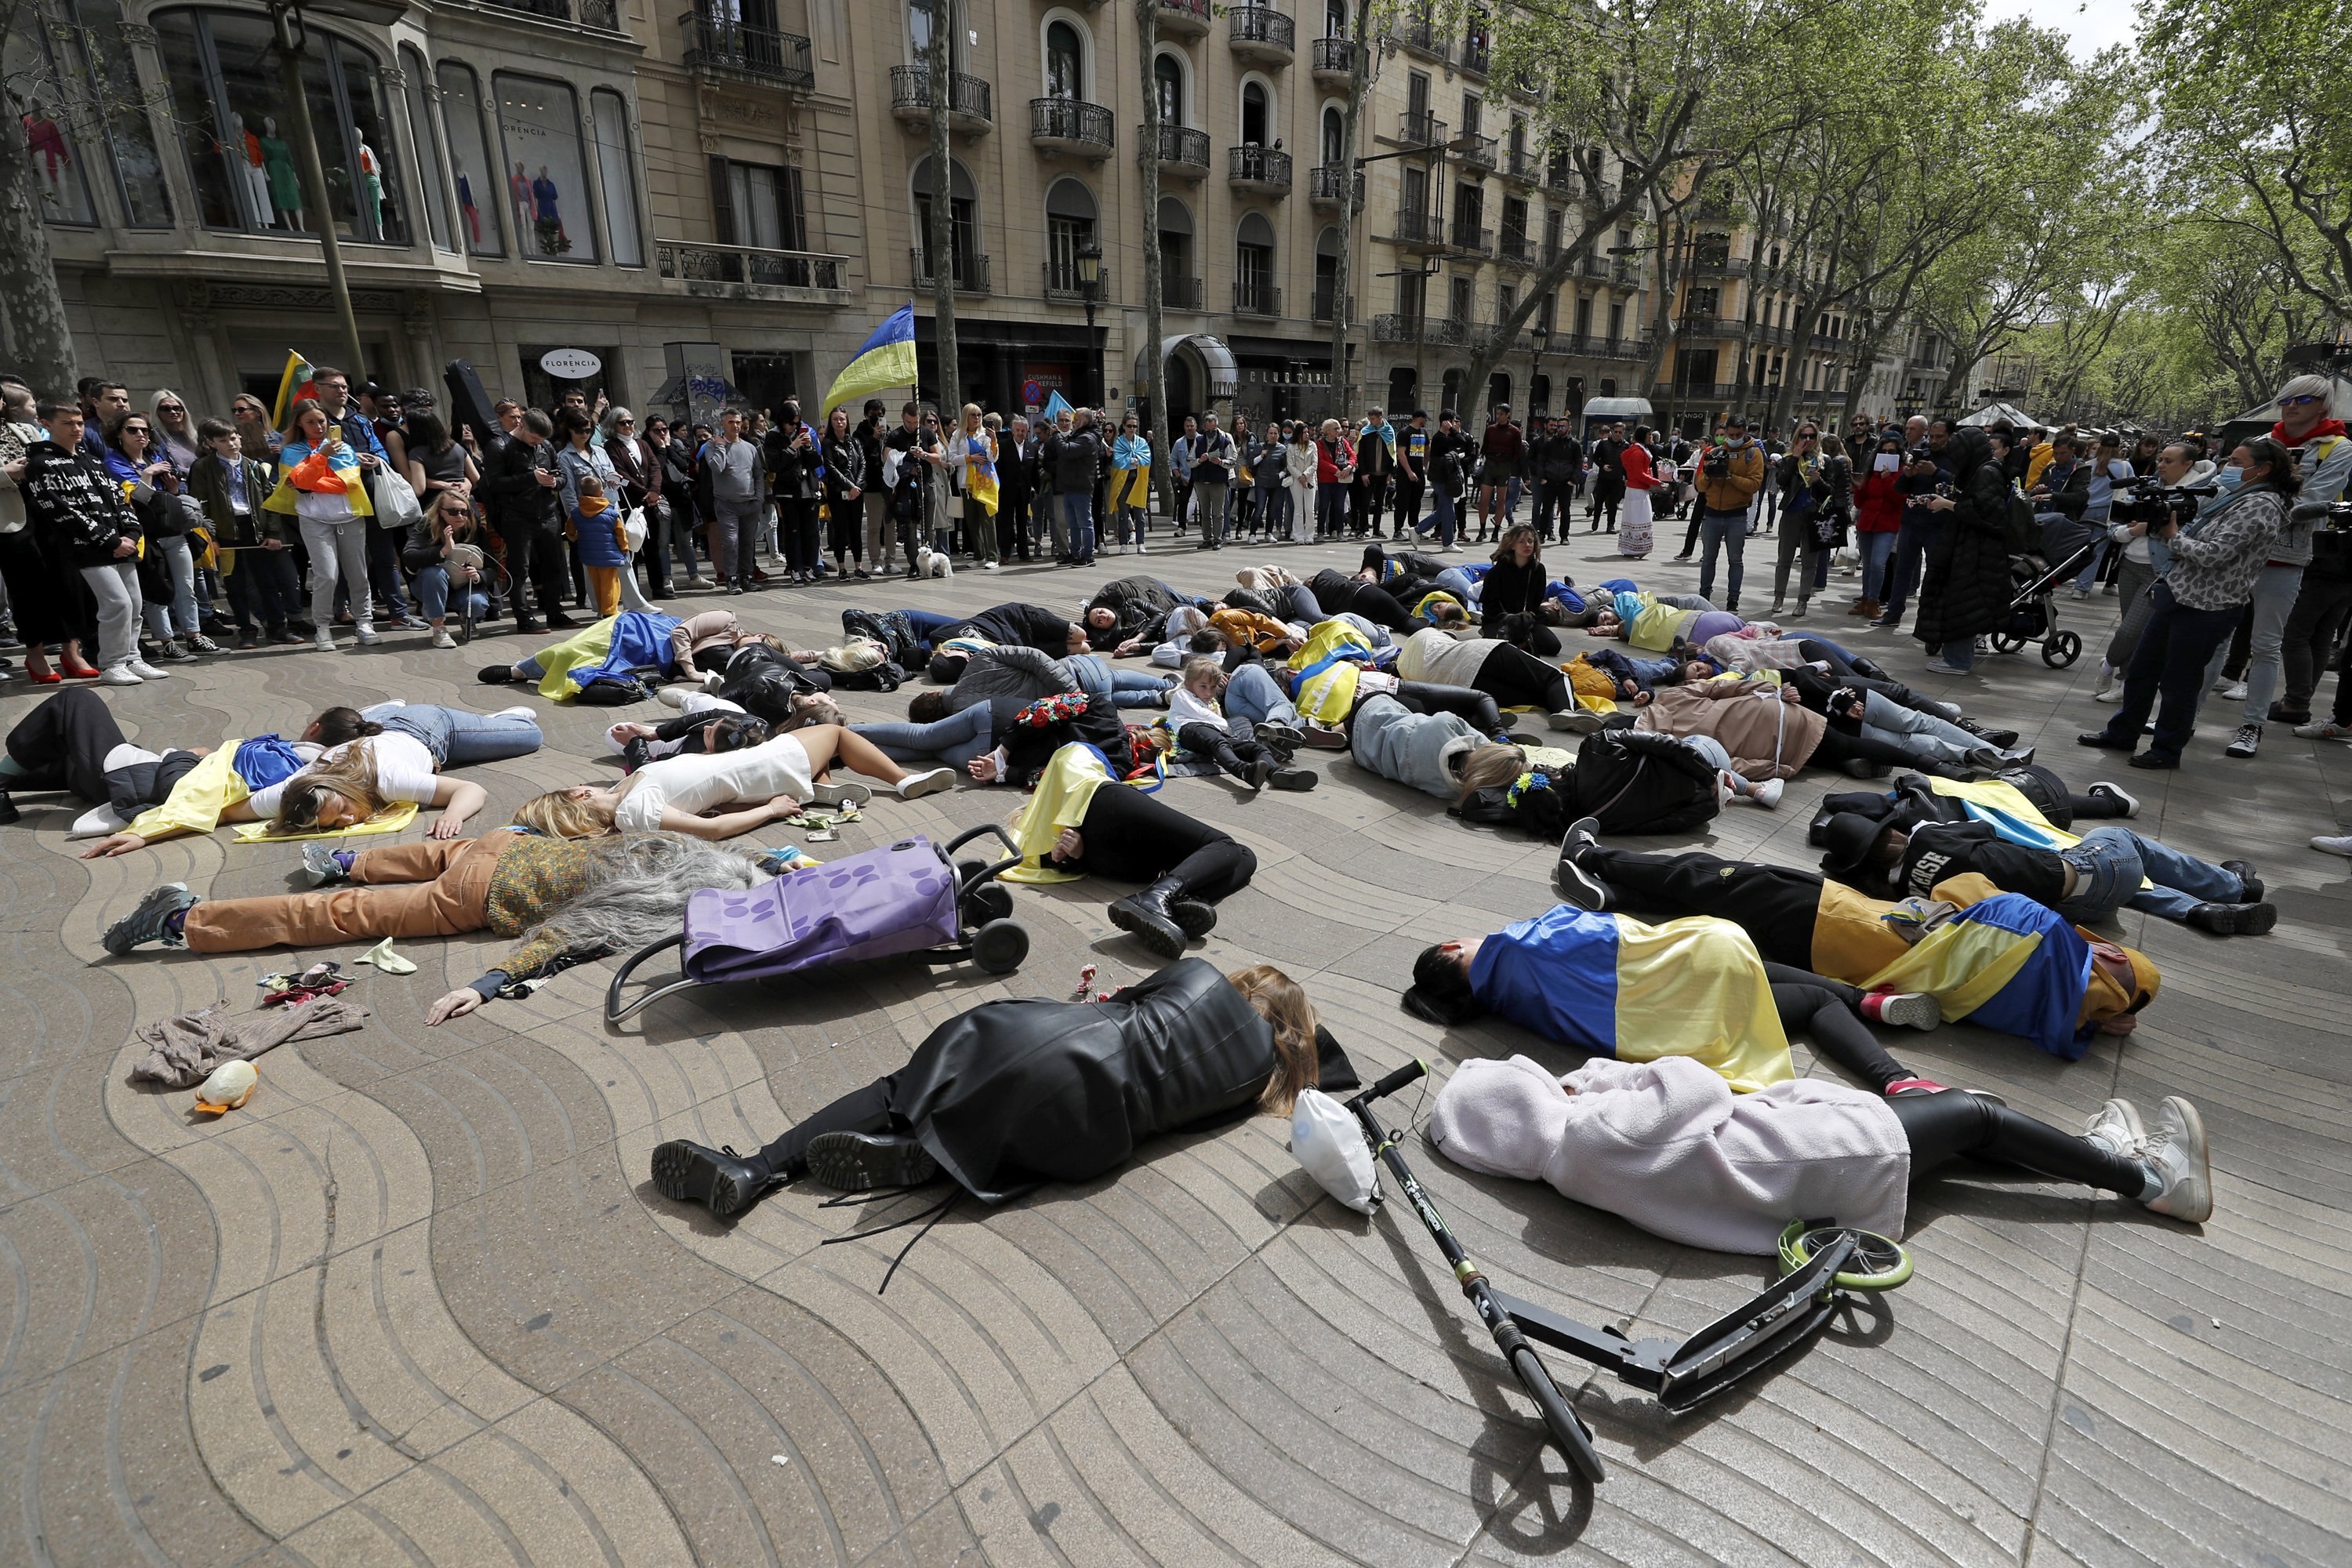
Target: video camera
[(2151, 502), (1716, 464)]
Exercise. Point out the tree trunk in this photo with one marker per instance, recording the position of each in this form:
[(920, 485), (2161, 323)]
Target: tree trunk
[(1358, 70), (42, 346), (1158, 428), (942, 235)]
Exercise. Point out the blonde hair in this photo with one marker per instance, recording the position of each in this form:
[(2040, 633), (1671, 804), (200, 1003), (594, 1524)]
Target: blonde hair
[(558, 815), (1282, 1003), (1491, 765), (1203, 664), (350, 777)]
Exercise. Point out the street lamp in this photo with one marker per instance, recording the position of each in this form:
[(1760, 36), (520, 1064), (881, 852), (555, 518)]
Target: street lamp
[(1088, 256), (1542, 338)]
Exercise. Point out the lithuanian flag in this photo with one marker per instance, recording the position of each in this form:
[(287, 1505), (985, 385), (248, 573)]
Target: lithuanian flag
[(887, 359), (292, 387)]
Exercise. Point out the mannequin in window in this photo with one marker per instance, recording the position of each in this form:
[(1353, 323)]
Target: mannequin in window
[(371, 190), (45, 140), (253, 174), (518, 193), (285, 187), (471, 213), (544, 217)]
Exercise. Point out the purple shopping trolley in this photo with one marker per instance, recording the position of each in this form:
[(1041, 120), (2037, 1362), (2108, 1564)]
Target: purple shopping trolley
[(908, 897)]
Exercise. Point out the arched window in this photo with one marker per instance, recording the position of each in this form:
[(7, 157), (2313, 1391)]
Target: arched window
[(1070, 223), (1065, 61), (547, 167), (1167, 82), (1327, 272), (1254, 290), (1335, 18), (1179, 282), (616, 174), (1335, 135), (919, 34), (963, 222), (425, 135), (1257, 114)]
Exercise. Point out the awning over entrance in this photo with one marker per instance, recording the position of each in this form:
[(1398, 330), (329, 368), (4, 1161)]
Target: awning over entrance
[(1225, 375)]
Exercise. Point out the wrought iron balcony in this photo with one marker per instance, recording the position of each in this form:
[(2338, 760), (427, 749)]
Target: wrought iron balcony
[(1475, 55), (1062, 283), (1516, 248), (1183, 152), (1420, 128), (749, 264), (1179, 293), (1256, 297), (1325, 182), (1423, 36), (605, 13), (1258, 171), (1184, 18), (1333, 61), (1424, 231), (1324, 290), (1070, 125), (1520, 164), (971, 107), (1471, 239), (1261, 33), (971, 271), (718, 46), (1476, 151)]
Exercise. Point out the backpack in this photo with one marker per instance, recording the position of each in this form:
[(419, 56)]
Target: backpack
[(1637, 782)]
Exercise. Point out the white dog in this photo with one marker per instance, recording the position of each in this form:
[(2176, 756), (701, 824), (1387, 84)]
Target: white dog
[(930, 563)]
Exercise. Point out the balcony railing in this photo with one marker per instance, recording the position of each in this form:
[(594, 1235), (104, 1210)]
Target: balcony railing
[(1420, 128), (1477, 151), (605, 13), (1517, 247), (1426, 36), (694, 263), (1559, 177), (1070, 124), (971, 271), (1500, 338), (1184, 18), (1179, 293), (717, 44), (1062, 283), (1441, 331), (1261, 31), (1420, 228), (1708, 264), (1257, 168), (1620, 271), (970, 98), (1333, 60), (1325, 180), (1184, 150), (1324, 290), (1519, 163), (1256, 297), (1472, 239), (1474, 56)]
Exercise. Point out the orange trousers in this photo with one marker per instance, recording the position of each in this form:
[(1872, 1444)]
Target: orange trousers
[(435, 887), (604, 587)]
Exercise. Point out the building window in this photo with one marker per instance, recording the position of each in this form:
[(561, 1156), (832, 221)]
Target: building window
[(1168, 84), (546, 163), (1254, 266), (1705, 301), (919, 34), (1065, 62), (1413, 292), (1327, 275), (761, 205), (1506, 300), (616, 172), (1178, 281), (236, 131), (1585, 316), (30, 70), (1258, 115), (1070, 219), (1458, 306), (1335, 135), (469, 159), (1617, 319), (129, 139), (425, 135), (963, 222)]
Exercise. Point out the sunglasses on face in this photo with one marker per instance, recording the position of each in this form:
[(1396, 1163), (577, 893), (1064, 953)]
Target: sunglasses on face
[(2298, 402)]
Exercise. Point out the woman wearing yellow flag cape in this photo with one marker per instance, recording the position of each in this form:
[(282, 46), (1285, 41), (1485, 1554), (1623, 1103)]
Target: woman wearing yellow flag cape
[(980, 494)]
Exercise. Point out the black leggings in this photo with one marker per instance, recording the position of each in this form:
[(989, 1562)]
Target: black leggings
[(1775, 905), (63, 743), (1381, 607), (1476, 706), (1513, 679), (1829, 1013), (863, 1109), (1837, 748), (1944, 1126), (1234, 756), (1131, 837)]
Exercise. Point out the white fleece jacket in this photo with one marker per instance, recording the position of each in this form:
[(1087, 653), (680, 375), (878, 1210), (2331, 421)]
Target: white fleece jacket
[(1668, 1146)]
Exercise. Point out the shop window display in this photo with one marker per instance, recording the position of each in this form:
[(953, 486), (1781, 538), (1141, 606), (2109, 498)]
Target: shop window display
[(545, 187), (58, 154), (475, 173)]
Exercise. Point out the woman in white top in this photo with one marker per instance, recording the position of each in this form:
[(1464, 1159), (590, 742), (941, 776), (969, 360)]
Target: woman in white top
[(1512, 677), (771, 781)]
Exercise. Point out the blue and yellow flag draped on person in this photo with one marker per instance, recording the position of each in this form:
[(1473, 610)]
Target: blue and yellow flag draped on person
[(887, 359), (979, 472)]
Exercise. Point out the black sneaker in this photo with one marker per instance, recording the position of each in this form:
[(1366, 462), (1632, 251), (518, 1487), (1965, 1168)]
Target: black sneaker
[(2100, 740), (2249, 741), (1295, 780), (2102, 790), (719, 1179), (861, 1162), (2233, 920), (2249, 886), (152, 920), (2155, 761), (1575, 884)]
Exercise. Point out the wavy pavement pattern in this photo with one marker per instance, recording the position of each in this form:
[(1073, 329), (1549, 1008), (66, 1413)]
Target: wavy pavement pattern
[(417, 1304)]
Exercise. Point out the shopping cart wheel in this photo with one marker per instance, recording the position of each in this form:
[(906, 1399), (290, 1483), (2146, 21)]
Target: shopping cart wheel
[(999, 946), (2061, 650)]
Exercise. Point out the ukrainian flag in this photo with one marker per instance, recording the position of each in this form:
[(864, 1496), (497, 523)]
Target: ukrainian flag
[(1611, 985), (979, 472), (887, 358)]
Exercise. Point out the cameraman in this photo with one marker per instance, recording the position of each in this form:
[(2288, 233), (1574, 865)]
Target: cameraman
[(2153, 505), (1728, 478)]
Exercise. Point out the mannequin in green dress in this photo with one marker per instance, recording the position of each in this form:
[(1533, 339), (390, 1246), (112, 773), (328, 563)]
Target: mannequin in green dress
[(285, 189)]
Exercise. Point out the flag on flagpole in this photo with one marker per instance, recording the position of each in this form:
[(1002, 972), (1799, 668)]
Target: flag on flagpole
[(1056, 404), (887, 359), (292, 387)]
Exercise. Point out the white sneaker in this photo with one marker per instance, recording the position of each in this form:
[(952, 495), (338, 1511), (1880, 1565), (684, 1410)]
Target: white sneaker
[(2324, 730), (2118, 1126), (2175, 1147), (146, 671), (443, 639), (2109, 679), (368, 635), (914, 786), (119, 675), (324, 641), (2230, 690), (1143, 547), (1765, 794), (2339, 846), (988, 566)]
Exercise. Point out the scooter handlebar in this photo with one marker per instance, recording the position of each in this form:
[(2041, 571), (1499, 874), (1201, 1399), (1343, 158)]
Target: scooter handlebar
[(1393, 1082)]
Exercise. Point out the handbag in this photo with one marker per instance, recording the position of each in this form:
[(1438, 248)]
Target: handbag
[(633, 529)]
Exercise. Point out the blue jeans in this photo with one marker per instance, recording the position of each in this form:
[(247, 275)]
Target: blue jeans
[(433, 595), (1440, 514), (1910, 558), (1875, 549), (1922, 735), (2170, 664), (2111, 862), (1253, 693), (1960, 654), (954, 740), (457, 737), (1728, 530), (1331, 508), (1079, 517), (928, 625), (1274, 510), (1098, 677), (178, 618)]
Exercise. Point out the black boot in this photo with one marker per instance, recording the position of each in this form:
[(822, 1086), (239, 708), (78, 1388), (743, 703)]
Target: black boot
[(861, 1162), (8, 812), (721, 1179), (1147, 917), (2251, 893), (1195, 918)]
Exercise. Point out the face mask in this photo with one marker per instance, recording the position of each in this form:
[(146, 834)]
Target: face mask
[(1887, 462), (2230, 478)]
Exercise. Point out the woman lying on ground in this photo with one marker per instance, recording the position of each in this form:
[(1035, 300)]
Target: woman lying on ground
[(1011, 1095), (1512, 677), (1770, 733), (357, 763), (569, 888), (1082, 820), (1999, 959), (1440, 753), (763, 780), (69, 741), (1655, 622)]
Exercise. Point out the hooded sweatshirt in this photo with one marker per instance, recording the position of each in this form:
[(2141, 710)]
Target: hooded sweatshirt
[(1411, 747)]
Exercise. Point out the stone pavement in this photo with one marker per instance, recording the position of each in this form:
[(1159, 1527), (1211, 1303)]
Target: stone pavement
[(417, 1302)]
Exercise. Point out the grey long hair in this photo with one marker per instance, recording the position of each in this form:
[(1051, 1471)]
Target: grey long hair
[(637, 887)]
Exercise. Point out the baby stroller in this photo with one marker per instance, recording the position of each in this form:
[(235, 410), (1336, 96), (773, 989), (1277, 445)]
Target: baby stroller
[(908, 897), (2033, 608)]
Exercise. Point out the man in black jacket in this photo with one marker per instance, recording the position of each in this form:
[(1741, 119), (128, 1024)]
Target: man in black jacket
[(1450, 455), (521, 479), (794, 462), (881, 539), (1016, 482), (1559, 460), (1075, 458), (76, 514)]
